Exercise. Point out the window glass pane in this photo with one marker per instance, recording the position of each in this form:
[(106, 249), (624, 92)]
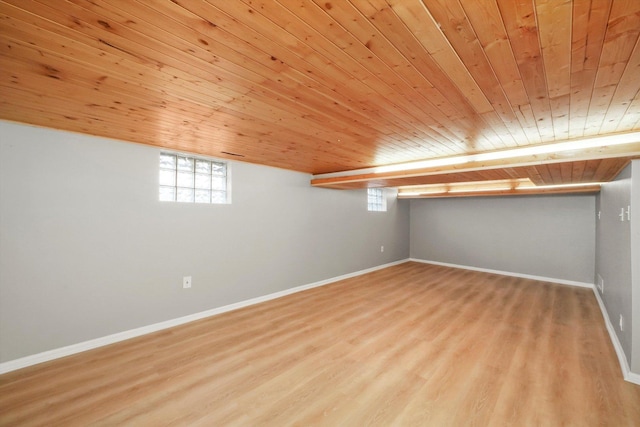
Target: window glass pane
[(376, 201), (219, 183), (167, 161), (203, 181), (185, 195), (185, 164), (185, 179), (218, 197), (167, 194), (203, 166), (219, 168), (167, 177), (203, 196)]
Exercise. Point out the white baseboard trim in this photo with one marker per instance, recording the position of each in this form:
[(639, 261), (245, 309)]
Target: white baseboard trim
[(632, 377), (622, 359), (57, 353), (508, 273)]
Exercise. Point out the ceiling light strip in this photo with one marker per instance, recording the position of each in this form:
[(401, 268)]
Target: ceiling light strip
[(479, 189), (488, 189), (555, 148), (560, 186)]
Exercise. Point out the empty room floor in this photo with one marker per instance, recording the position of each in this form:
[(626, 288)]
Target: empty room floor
[(413, 344)]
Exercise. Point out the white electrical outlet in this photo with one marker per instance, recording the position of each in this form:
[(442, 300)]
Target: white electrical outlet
[(381, 248), (621, 323), (186, 282)]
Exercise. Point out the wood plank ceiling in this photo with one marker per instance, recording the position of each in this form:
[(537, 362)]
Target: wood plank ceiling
[(329, 86)]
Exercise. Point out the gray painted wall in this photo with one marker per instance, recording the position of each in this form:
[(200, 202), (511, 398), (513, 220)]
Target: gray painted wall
[(87, 250), (635, 266), (613, 254), (548, 236)]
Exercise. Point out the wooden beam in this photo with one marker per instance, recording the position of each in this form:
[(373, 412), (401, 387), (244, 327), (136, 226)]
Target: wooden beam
[(631, 150)]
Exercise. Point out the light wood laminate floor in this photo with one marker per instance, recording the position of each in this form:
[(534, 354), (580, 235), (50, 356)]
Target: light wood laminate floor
[(410, 345)]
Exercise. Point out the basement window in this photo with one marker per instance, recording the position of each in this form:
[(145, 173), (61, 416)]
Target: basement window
[(376, 200), (193, 180)]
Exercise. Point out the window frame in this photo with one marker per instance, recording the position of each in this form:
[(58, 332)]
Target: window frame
[(174, 176), (376, 199)]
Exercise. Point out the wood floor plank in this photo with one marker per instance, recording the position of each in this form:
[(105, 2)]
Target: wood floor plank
[(412, 344)]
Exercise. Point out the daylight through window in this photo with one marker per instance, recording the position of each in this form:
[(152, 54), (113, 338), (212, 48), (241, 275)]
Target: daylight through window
[(376, 201), (192, 180)]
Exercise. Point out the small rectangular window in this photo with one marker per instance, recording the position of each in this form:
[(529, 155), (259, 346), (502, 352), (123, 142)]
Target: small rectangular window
[(376, 200), (193, 180)]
